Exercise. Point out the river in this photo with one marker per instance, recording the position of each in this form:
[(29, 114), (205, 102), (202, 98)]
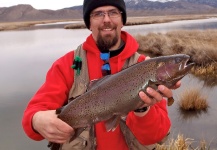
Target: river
[(26, 56)]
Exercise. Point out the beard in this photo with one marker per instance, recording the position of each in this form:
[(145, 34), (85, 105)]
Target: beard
[(104, 43)]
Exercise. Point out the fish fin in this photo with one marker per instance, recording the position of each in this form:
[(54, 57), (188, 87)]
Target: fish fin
[(153, 85), (59, 110), (78, 131), (112, 123)]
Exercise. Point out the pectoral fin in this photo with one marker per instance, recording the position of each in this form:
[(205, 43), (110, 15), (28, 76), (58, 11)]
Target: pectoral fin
[(112, 123), (153, 85), (77, 133), (59, 110)]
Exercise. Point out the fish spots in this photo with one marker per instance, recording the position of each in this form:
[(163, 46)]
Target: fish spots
[(116, 94)]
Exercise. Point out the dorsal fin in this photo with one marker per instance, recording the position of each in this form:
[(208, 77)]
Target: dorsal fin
[(96, 82)]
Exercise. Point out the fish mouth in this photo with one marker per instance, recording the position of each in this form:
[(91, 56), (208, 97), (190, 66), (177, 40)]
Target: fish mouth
[(187, 64), (184, 68)]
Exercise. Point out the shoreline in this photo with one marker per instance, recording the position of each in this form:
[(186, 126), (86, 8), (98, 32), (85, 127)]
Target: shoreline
[(5, 26)]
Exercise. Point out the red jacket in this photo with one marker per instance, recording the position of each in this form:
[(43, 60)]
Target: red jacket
[(54, 93)]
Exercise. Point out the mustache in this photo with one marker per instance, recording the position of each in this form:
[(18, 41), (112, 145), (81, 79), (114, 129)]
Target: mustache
[(107, 26)]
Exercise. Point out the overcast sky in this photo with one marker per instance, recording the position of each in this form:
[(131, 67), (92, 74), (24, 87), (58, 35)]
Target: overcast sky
[(48, 4), (42, 4)]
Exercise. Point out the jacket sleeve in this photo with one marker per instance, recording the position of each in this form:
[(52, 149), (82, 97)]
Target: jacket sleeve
[(152, 127), (52, 94)]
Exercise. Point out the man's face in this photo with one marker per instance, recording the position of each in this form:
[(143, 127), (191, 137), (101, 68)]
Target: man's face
[(105, 24)]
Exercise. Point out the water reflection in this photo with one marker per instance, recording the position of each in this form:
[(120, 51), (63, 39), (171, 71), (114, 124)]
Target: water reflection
[(197, 125), (191, 114)]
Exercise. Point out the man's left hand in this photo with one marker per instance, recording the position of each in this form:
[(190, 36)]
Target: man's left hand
[(156, 96)]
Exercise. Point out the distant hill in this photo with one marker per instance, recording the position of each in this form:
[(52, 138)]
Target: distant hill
[(134, 8), (28, 13)]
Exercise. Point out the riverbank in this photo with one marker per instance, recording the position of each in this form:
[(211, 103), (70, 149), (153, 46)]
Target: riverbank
[(130, 21), (19, 25)]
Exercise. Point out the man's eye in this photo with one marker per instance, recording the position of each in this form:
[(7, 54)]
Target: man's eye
[(97, 14), (113, 13)]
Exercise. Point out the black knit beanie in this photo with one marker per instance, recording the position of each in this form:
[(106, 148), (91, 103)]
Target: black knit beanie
[(90, 5)]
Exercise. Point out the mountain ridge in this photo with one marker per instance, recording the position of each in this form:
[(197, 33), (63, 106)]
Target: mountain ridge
[(23, 12)]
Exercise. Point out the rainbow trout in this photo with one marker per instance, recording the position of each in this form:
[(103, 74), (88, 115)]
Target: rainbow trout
[(116, 95)]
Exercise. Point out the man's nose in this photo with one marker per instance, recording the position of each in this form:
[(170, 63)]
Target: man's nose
[(106, 17)]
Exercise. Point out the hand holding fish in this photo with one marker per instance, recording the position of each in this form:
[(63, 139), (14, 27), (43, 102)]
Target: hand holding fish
[(50, 127), (93, 106), (157, 97)]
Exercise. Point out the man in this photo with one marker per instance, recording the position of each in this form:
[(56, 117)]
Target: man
[(150, 124)]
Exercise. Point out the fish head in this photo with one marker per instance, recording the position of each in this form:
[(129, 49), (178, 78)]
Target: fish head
[(173, 68)]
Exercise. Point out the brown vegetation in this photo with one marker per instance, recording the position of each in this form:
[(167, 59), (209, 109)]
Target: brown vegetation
[(193, 100), (201, 45), (20, 25), (207, 73), (75, 26), (182, 143)]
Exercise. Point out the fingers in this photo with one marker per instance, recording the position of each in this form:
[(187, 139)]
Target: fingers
[(64, 131), (52, 128), (178, 84), (147, 57), (156, 97), (165, 91), (59, 132)]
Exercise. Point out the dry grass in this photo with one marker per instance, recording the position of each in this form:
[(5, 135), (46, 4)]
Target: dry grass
[(206, 70), (19, 25), (182, 143), (201, 45), (193, 100), (207, 73), (75, 26)]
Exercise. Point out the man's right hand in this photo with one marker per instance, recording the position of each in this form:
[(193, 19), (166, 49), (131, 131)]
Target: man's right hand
[(50, 127)]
